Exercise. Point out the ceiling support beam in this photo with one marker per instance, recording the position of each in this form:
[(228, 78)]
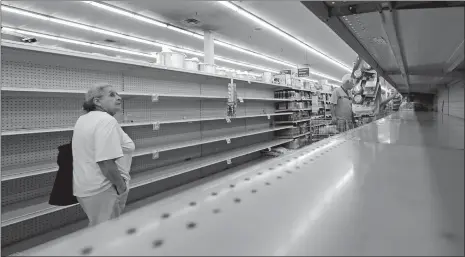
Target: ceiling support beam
[(321, 10), (390, 26), (430, 73), (455, 59), (351, 8)]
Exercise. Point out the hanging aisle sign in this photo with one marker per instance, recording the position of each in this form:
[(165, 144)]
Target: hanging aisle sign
[(303, 72)]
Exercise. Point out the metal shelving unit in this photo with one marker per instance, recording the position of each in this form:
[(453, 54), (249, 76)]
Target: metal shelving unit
[(17, 215), (301, 136), (42, 168), (177, 119)]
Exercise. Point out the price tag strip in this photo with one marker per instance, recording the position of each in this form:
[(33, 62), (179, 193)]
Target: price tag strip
[(228, 161), (241, 99), (228, 120), (155, 155), (156, 126), (155, 98), (228, 140)]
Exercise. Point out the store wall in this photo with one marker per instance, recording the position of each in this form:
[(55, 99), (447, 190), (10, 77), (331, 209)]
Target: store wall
[(450, 99)]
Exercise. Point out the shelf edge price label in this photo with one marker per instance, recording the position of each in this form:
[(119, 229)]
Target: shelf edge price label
[(268, 116), (241, 100), (228, 161), (228, 120), (156, 126), (269, 149), (228, 141), (155, 98), (155, 155)]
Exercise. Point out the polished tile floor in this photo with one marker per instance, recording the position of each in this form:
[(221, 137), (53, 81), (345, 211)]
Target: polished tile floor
[(392, 187)]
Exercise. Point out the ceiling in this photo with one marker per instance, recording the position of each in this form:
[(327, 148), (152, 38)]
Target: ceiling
[(423, 40), (226, 25)]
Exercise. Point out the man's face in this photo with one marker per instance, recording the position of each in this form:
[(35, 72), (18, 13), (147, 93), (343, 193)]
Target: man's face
[(349, 84)]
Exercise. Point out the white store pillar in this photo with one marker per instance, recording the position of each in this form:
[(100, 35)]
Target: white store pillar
[(208, 48)]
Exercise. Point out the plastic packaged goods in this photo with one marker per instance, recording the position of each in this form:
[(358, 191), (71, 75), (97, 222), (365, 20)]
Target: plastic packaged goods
[(267, 77), (209, 68), (191, 64)]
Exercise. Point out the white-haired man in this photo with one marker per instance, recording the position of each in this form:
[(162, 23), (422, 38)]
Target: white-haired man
[(341, 105)]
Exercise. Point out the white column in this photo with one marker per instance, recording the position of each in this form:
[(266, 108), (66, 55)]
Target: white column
[(208, 48)]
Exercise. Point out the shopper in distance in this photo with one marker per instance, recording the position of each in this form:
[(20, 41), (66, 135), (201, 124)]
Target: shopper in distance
[(102, 156), (341, 105)]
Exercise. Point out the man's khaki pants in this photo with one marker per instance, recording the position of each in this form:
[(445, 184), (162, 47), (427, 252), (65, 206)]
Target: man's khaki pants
[(344, 125), (103, 206)]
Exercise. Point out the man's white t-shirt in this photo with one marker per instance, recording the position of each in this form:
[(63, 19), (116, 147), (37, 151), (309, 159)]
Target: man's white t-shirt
[(343, 103), (98, 137)]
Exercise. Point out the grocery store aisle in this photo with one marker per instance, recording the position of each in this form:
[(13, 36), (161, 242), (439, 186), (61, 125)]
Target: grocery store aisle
[(393, 187)]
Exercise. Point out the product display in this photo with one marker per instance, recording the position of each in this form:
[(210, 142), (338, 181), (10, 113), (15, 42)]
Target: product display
[(307, 106), (192, 64)]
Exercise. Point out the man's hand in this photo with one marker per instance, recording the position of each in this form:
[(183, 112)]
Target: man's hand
[(333, 120)]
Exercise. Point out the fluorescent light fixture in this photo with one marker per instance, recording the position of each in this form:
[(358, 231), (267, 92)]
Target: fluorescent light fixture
[(115, 34), (24, 13), (190, 33), (121, 50), (242, 50), (127, 13), (153, 43), (222, 59), (218, 42), (283, 34), (78, 25), (186, 32), (325, 76), (72, 41)]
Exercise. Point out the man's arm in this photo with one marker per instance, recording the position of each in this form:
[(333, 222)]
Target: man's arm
[(386, 101), (333, 112), (333, 101)]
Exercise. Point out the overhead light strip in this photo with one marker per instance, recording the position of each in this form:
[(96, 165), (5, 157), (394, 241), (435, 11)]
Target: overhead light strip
[(132, 38), (121, 50), (73, 41), (218, 42), (186, 32), (149, 42), (8, 30), (283, 34)]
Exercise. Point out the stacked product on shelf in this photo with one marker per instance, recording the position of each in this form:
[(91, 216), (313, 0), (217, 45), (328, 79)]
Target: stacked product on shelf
[(365, 91), (396, 102), (298, 101), (176, 117)]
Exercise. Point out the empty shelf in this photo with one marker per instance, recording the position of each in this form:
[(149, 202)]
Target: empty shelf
[(10, 217), (134, 124), (48, 167)]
